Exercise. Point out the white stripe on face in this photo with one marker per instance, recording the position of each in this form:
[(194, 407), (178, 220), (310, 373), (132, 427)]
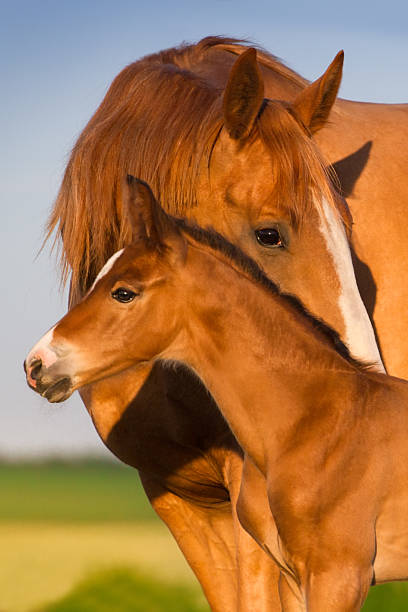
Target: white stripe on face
[(106, 268), (359, 334)]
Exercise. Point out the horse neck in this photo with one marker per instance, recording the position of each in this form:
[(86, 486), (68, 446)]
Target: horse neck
[(261, 360)]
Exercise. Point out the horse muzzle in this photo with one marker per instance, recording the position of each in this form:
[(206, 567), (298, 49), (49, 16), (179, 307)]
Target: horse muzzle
[(49, 382)]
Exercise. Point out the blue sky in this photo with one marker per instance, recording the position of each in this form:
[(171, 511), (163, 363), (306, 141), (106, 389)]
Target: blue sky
[(57, 59)]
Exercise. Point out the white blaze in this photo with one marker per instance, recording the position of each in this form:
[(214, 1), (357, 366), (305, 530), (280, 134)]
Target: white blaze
[(359, 334), (43, 349), (107, 267)]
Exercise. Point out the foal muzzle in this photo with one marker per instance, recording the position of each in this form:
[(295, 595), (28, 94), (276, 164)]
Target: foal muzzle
[(48, 382)]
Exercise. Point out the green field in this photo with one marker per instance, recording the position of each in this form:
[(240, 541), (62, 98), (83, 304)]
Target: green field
[(81, 537), (83, 491), (126, 590), (76, 536)]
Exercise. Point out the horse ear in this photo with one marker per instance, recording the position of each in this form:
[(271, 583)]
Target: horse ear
[(243, 95), (313, 105), (146, 217)]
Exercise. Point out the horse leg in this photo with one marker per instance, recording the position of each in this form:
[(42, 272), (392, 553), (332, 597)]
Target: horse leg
[(333, 590), (338, 589), (206, 539), (258, 574), (290, 595)]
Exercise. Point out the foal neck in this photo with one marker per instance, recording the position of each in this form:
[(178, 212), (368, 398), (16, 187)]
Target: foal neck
[(260, 356)]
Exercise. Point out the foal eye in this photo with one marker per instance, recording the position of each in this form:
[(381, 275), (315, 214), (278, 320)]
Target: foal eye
[(269, 237), (123, 295)]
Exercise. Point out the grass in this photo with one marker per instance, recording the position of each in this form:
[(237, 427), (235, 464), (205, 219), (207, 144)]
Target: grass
[(41, 562), (83, 491), (391, 597), (60, 522), (128, 591)]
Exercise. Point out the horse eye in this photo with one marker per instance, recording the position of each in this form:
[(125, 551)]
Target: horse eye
[(123, 295), (269, 237)]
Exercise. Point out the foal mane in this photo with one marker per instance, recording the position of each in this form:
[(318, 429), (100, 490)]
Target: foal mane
[(249, 267), (137, 131)]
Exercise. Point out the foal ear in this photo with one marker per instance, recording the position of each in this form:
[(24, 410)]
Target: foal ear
[(313, 105), (146, 217), (243, 95)]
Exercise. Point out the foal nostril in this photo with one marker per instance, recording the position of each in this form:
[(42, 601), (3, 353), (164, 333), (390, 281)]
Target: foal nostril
[(35, 368)]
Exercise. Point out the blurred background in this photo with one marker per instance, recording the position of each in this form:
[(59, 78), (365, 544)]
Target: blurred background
[(76, 532)]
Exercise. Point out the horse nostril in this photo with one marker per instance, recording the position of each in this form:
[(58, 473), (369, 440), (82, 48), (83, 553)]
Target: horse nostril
[(35, 368)]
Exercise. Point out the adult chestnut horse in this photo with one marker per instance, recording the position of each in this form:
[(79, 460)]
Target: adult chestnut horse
[(248, 167), (329, 437)]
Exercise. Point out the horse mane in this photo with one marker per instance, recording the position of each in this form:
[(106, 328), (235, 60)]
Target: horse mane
[(248, 266), (136, 131), (237, 46)]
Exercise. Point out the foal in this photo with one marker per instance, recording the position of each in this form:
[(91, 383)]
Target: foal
[(327, 434)]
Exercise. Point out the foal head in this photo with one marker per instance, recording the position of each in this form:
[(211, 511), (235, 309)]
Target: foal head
[(130, 315)]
